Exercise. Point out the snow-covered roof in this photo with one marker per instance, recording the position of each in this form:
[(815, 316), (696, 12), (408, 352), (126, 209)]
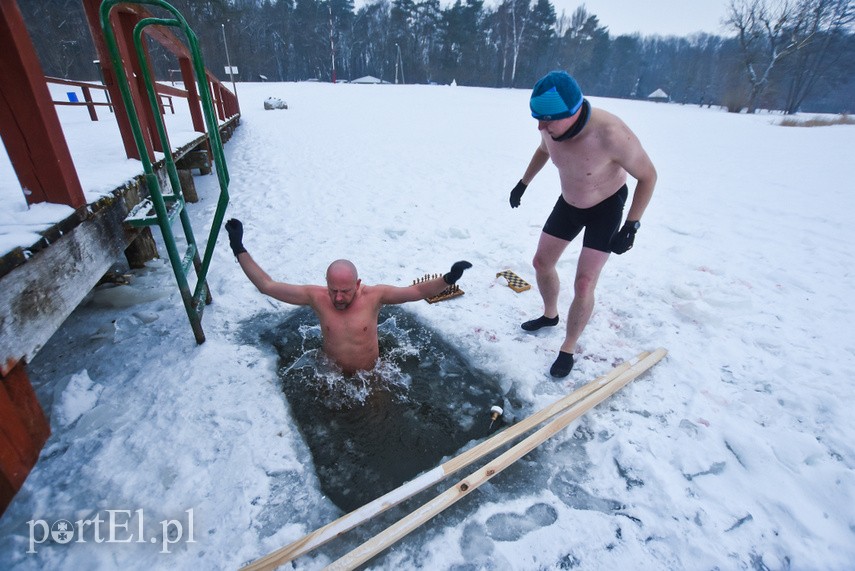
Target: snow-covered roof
[(658, 94), (367, 79)]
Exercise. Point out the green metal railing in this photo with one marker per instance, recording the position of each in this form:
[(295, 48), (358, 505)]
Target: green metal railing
[(171, 205)]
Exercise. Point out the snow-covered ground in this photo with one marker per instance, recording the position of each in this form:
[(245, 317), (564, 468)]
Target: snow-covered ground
[(736, 452)]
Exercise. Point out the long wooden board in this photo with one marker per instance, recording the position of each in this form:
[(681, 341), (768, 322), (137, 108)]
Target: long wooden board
[(359, 516), (415, 519)]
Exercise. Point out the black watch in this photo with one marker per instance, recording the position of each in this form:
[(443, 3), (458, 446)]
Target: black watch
[(634, 224)]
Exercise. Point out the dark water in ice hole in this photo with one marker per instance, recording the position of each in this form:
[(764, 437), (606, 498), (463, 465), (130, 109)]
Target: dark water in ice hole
[(371, 432)]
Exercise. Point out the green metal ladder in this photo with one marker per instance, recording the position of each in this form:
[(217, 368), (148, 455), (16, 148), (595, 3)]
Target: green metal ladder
[(170, 205)]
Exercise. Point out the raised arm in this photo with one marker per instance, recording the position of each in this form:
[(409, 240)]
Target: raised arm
[(289, 293), (394, 295)]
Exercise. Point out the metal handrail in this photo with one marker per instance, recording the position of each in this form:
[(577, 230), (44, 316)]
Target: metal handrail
[(193, 303)]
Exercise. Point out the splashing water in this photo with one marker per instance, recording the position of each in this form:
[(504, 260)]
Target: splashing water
[(374, 430)]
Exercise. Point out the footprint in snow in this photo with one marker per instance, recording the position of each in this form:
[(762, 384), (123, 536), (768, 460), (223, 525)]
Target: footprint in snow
[(511, 527)]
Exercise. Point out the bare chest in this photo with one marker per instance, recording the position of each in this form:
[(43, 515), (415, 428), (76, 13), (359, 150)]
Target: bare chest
[(359, 321), (587, 172), (337, 326)]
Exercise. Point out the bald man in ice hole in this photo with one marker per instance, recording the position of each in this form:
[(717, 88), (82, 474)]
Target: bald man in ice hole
[(346, 308), (593, 151)]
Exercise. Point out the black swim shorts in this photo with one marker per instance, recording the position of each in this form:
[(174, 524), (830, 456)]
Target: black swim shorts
[(600, 221)]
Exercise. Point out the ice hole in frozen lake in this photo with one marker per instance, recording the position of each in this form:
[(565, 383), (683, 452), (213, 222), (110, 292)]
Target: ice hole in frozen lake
[(373, 431)]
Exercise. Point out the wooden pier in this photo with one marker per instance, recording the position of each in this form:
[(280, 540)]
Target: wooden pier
[(42, 283)]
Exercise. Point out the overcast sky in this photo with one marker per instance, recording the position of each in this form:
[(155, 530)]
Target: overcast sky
[(664, 17)]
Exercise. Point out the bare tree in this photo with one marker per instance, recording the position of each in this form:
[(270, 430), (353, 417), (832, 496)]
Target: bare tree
[(519, 12), (764, 29), (824, 25), (580, 37)]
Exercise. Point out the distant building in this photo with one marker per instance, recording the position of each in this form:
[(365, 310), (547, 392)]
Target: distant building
[(659, 96), (367, 79)]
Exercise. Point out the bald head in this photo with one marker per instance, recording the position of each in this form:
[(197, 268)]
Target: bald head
[(342, 269)]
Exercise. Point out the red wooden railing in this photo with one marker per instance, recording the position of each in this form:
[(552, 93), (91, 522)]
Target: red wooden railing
[(86, 88), (124, 17)]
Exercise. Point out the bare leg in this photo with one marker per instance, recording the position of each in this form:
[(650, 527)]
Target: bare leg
[(588, 270), (549, 250)]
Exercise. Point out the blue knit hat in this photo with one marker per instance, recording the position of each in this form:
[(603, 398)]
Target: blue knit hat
[(555, 96)]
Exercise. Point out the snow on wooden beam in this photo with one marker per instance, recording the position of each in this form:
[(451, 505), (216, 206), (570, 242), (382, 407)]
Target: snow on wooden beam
[(38, 295)]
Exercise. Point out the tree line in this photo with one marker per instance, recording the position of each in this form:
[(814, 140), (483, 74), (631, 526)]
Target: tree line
[(787, 55)]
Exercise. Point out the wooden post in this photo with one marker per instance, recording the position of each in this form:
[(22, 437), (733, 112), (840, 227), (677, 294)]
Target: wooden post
[(232, 104), (87, 97), (188, 187), (168, 103), (141, 250), (125, 37), (218, 101), (24, 429), (29, 124), (206, 169), (192, 94), (92, 7)]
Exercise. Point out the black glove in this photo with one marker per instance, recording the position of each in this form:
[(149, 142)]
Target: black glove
[(516, 193), (625, 237), (235, 229), (456, 271)]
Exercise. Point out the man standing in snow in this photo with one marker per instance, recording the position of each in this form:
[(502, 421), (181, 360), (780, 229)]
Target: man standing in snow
[(593, 151), (346, 309)]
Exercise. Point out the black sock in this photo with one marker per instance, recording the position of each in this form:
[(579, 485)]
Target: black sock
[(541, 321), (562, 365)]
